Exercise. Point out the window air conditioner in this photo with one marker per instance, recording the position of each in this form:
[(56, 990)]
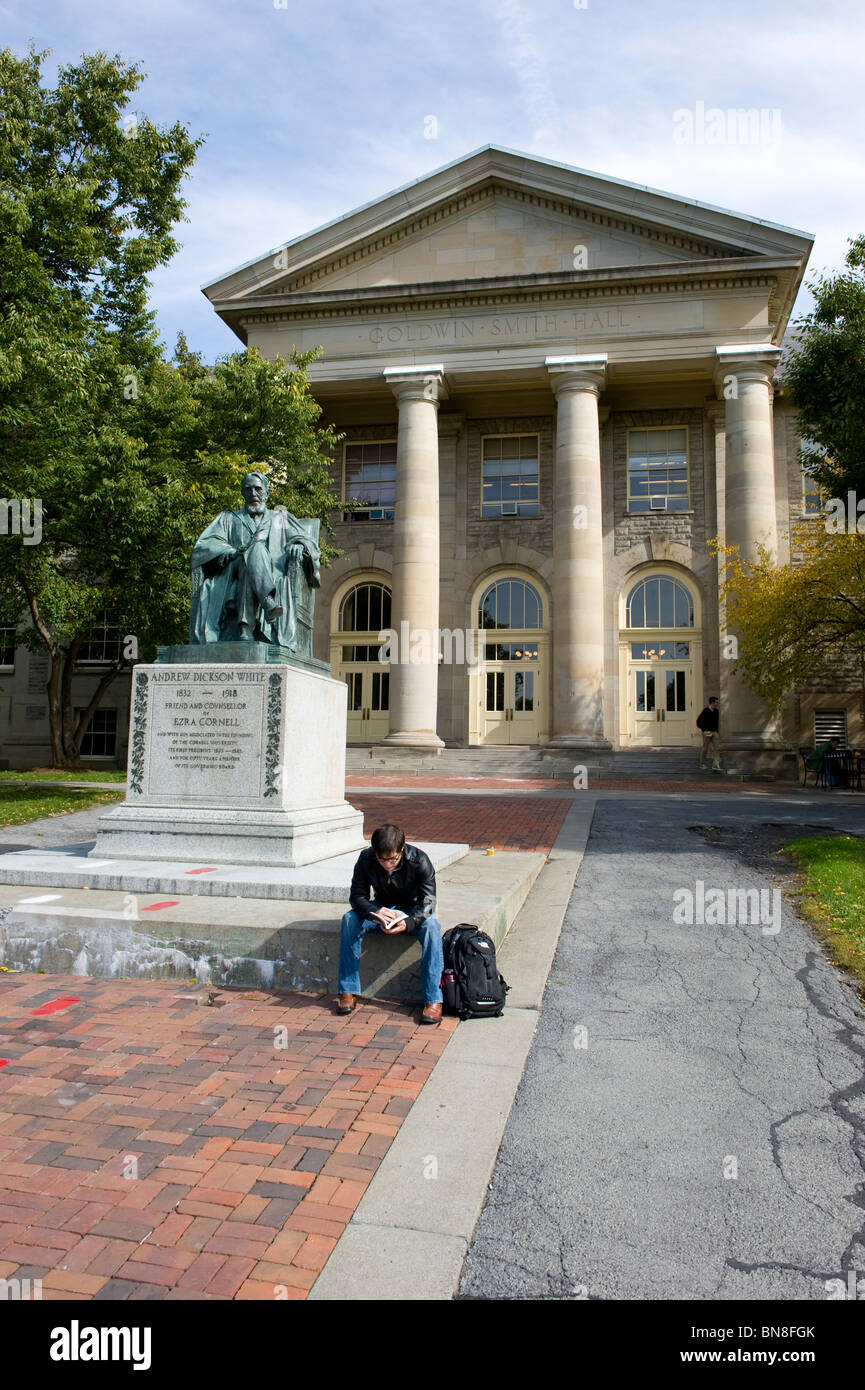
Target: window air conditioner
[(509, 509), (658, 504), (376, 513)]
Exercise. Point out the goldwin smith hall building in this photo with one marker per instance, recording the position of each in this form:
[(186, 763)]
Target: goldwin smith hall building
[(555, 389)]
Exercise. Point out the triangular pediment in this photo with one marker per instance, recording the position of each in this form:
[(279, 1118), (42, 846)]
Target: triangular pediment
[(500, 215), (496, 231)]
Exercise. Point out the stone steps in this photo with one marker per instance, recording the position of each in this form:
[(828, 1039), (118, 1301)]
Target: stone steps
[(524, 763)]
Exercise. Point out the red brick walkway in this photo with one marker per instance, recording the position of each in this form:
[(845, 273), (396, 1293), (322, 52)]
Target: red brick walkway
[(153, 1148), (396, 779), (483, 822)]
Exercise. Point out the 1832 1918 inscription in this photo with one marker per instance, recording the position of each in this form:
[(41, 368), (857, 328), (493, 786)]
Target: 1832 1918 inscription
[(207, 734)]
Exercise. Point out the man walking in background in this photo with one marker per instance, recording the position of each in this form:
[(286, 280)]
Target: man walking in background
[(707, 723)]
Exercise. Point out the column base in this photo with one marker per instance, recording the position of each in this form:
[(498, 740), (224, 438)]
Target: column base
[(592, 743), (421, 739)]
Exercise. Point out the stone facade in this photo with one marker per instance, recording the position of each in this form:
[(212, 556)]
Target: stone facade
[(505, 295)]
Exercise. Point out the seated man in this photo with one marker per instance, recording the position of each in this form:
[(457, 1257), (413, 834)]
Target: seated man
[(393, 889)]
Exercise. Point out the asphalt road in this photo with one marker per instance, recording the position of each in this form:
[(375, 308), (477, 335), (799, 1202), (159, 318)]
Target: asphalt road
[(708, 1139)]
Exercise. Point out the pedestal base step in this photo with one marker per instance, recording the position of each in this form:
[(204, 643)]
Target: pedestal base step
[(258, 942), (326, 881)]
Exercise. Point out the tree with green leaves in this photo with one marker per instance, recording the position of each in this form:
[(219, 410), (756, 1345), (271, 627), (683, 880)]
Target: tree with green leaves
[(825, 375), (129, 455)]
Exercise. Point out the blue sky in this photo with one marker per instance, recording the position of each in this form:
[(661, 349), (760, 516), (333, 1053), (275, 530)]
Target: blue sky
[(312, 109)]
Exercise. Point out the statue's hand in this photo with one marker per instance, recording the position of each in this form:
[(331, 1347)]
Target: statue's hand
[(225, 560)]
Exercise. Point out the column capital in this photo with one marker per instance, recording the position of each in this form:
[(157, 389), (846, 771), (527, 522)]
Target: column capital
[(425, 383), (581, 372), (749, 362)]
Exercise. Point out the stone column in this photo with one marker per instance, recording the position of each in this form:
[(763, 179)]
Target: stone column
[(743, 378), (453, 672), (415, 608), (578, 557)]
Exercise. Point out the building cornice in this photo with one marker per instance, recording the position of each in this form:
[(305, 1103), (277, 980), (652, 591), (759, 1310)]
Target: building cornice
[(508, 292)]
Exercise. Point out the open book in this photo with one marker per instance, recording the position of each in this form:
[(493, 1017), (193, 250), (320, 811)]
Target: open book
[(398, 917)]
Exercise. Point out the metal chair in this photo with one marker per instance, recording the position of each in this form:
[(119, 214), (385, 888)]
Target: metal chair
[(838, 767), (807, 754)]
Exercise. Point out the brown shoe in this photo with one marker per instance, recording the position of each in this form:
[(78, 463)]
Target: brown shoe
[(346, 1004), (432, 1014)]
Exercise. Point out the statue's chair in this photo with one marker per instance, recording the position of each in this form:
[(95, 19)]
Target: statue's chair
[(304, 596)]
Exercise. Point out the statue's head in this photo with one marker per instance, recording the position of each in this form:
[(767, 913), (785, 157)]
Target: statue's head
[(255, 489)]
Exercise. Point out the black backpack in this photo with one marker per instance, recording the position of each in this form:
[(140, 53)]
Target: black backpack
[(477, 989)]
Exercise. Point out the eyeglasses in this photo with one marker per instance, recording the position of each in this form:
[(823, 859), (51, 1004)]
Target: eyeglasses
[(389, 858)]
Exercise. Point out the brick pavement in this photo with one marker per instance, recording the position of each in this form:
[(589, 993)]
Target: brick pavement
[(154, 1148), (483, 822)]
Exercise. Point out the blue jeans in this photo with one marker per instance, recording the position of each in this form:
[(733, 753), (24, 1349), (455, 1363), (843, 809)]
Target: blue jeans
[(429, 934)]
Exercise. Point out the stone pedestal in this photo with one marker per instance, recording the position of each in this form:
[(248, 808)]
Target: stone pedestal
[(234, 763)]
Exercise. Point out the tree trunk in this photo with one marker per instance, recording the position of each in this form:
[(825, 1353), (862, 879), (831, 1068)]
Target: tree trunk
[(67, 712), (67, 732), (77, 731), (55, 711)]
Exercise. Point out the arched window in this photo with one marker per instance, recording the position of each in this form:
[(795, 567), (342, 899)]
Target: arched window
[(365, 608), (659, 602), (513, 603)]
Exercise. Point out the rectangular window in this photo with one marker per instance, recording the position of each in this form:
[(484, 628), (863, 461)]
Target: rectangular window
[(370, 477), (673, 651), (645, 691), (354, 681), (380, 690), (510, 651), (100, 740), (812, 496), (495, 691), (102, 646), (658, 470), (830, 723), (510, 475), (361, 653), (7, 648), (524, 691), (675, 691)]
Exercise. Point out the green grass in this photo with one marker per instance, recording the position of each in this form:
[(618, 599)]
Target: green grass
[(21, 804), (62, 774), (833, 894)]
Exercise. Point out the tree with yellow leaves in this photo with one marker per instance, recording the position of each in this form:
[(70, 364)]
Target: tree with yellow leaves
[(801, 623)]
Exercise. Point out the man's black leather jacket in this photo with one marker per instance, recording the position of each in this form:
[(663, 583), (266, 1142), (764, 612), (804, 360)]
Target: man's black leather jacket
[(411, 887)]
